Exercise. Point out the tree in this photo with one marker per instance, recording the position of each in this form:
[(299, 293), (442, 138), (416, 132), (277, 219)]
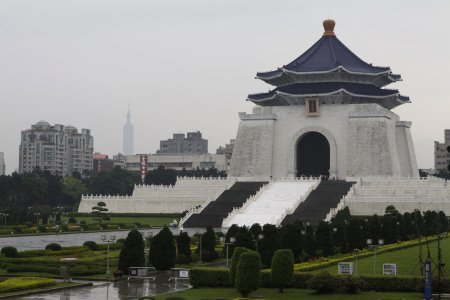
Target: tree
[(290, 238), (100, 212), (132, 253), (282, 268), (356, 238), (209, 245), (324, 241), (248, 274), (310, 242), (72, 190), (184, 246), (268, 244), (234, 262), (162, 250)]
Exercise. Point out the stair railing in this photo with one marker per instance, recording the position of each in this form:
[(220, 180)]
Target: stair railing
[(197, 210), (252, 198), (342, 203)]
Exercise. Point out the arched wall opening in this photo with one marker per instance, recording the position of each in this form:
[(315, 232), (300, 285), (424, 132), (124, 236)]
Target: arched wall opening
[(312, 155)]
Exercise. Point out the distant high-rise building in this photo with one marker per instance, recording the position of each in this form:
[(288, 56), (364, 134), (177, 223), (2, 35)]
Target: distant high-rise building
[(179, 144), (2, 164), (441, 155), (62, 150), (128, 136)]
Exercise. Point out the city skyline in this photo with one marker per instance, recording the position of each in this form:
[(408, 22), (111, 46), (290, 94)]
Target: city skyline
[(189, 66)]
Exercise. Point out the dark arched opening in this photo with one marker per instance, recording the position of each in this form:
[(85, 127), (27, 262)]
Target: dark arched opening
[(313, 155)]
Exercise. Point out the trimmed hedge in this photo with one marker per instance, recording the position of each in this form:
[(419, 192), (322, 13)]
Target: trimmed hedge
[(219, 277), (53, 247), (210, 277), (24, 283), (324, 262)]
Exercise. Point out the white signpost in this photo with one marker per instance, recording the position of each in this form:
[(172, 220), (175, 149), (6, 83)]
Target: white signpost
[(345, 268), (389, 269)]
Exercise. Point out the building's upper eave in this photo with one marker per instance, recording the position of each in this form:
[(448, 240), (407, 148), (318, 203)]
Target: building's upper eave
[(305, 90), (327, 55)]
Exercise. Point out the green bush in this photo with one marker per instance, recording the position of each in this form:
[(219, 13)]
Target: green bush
[(162, 250), (72, 220), (132, 253), (83, 222), (391, 284), (248, 274), (182, 259), (282, 268), (349, 284), (175, 298), (42, 228), (53, 247), (234, 262), (209, 277), (64, 228), (9, 251), (323, 283), (91, 245), (24, 283), (122, 241)]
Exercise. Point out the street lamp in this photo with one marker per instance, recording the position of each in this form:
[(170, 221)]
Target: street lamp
[(108, 239), (232, 240), (37, 217), (356, 250), (260, 236), (374, 247), (4, 215), (199, 231)]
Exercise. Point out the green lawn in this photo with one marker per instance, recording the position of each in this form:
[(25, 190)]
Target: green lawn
[(289, 294), (406, 260), (153, 221)]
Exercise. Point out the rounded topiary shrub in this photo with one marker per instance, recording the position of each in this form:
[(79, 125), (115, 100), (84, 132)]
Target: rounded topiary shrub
[(72, 220), (53, 247), (122, 241), (9, 251), (132, 253), (91, 245), (282, 268), (248, 273), (234, 262)]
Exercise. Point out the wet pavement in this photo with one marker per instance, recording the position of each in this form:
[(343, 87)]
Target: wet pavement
[(71, 239), (125, 289)]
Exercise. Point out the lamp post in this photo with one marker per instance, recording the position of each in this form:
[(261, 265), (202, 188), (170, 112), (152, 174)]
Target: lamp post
[(374, 247), (232, 240), (37, 217), (147, 245), (108, 239), (4, 215), (356, 250), (199, 231), (260, 236)]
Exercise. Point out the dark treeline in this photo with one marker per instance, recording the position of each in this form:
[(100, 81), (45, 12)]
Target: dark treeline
[(23, 195), (344, 234), (163, 176)]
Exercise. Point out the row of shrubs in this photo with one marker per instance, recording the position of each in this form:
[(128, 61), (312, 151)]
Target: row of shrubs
[(75, 270), (56, 249), (326, 262), (323, 282), (24, 283)]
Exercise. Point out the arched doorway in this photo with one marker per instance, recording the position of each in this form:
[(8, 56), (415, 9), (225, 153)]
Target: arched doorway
[(313, 155)]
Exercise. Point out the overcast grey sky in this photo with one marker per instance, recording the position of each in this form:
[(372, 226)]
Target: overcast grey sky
[(189, 65)]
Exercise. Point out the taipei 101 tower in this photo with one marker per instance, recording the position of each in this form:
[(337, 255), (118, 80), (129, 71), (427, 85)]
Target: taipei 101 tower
[(128, 135)]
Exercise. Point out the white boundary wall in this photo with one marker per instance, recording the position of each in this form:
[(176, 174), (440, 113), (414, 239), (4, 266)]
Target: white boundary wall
[(184, 195), (372, 195)]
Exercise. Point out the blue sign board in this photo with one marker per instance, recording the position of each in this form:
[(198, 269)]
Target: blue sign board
[(427, 292)]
